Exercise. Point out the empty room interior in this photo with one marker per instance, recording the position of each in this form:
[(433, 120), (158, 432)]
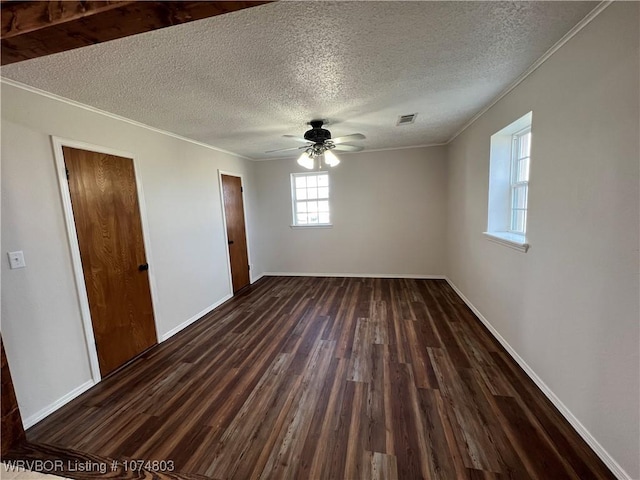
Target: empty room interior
[(321, 240)]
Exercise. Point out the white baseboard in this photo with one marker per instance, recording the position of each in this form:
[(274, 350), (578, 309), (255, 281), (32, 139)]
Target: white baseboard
[(355, 275), (197, 316), (255, 279), (609, 461), (49, 409)]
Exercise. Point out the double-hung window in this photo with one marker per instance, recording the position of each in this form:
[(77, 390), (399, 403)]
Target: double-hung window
[(510, 160), (310, 197), (520, 157)]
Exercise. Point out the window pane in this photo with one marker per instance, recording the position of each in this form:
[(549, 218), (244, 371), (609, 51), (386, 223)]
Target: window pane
[(520, 197), (518, 220), (525, 145), (301, 182), (312, 192), (523, 170), (310, 198)]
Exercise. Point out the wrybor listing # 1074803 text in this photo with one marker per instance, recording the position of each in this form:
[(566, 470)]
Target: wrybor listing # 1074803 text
[(61, 466)]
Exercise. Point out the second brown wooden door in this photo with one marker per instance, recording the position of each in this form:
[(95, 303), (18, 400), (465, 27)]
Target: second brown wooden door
[(236, 232), (107, 217)]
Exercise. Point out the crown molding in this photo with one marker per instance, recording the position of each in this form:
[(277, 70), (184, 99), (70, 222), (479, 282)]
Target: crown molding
[(568, 36), (74, 103)]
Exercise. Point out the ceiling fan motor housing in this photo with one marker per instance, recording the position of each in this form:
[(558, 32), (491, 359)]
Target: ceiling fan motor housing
[(317, 134)]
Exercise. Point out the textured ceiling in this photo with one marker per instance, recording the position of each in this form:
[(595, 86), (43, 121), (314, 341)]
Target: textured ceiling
[(242, 80)]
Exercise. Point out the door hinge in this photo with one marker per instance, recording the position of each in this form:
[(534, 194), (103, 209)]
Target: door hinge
[(66, 171), (248, 267), (241, 189)]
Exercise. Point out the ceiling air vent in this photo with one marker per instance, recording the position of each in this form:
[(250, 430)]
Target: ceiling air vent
[(406, 119)]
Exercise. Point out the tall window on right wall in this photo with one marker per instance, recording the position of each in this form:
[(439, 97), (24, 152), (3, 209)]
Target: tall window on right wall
[(520, 157), (510, 160)]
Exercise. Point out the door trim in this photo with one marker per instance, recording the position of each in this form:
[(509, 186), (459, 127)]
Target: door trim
[(224, 226), (74, 247)]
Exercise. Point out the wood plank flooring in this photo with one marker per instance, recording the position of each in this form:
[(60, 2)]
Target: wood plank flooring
[(326, 378)]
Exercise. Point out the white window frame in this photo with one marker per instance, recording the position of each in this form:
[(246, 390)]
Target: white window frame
[(516, 156), (502, 206), (295, 200)]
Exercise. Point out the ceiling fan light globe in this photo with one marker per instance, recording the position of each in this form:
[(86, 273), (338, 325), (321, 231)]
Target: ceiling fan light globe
[(331, 159), (306, 161)]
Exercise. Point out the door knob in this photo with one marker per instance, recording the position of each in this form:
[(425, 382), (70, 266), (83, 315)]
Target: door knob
[(143, 267)]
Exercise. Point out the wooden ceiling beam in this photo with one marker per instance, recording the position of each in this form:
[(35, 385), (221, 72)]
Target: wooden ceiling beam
[(33, 29), (19, 18)]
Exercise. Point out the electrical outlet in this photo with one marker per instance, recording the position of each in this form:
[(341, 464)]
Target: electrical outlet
[(16, 260)]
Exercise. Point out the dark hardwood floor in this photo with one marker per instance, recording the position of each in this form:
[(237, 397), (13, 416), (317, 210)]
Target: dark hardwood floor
[(319, 378)]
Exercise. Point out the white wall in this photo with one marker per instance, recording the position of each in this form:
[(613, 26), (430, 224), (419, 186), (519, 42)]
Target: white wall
[(569, 307), (388, 215), (41, 323)]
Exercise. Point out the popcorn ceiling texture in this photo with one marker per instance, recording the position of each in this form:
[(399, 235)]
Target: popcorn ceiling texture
[(242, 80)]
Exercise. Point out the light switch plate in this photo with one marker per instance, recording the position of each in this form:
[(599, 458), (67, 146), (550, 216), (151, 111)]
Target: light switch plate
[(16, 260)]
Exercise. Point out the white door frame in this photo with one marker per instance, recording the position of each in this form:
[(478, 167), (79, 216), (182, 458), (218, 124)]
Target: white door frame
[(74, 247), (224, 226)]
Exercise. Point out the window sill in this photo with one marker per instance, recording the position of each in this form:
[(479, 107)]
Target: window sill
[(511, 240), (324, 225)]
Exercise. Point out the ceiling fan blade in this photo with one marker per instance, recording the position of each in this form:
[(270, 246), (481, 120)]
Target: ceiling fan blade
[(285, 149), (297, 139), (349, 148), (348, 138)]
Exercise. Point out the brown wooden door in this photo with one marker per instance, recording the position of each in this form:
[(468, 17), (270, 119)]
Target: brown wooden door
[(236, 232), (107, 218)]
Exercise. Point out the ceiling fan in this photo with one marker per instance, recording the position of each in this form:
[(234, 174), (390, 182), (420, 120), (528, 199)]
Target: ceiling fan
[(319, 144)]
